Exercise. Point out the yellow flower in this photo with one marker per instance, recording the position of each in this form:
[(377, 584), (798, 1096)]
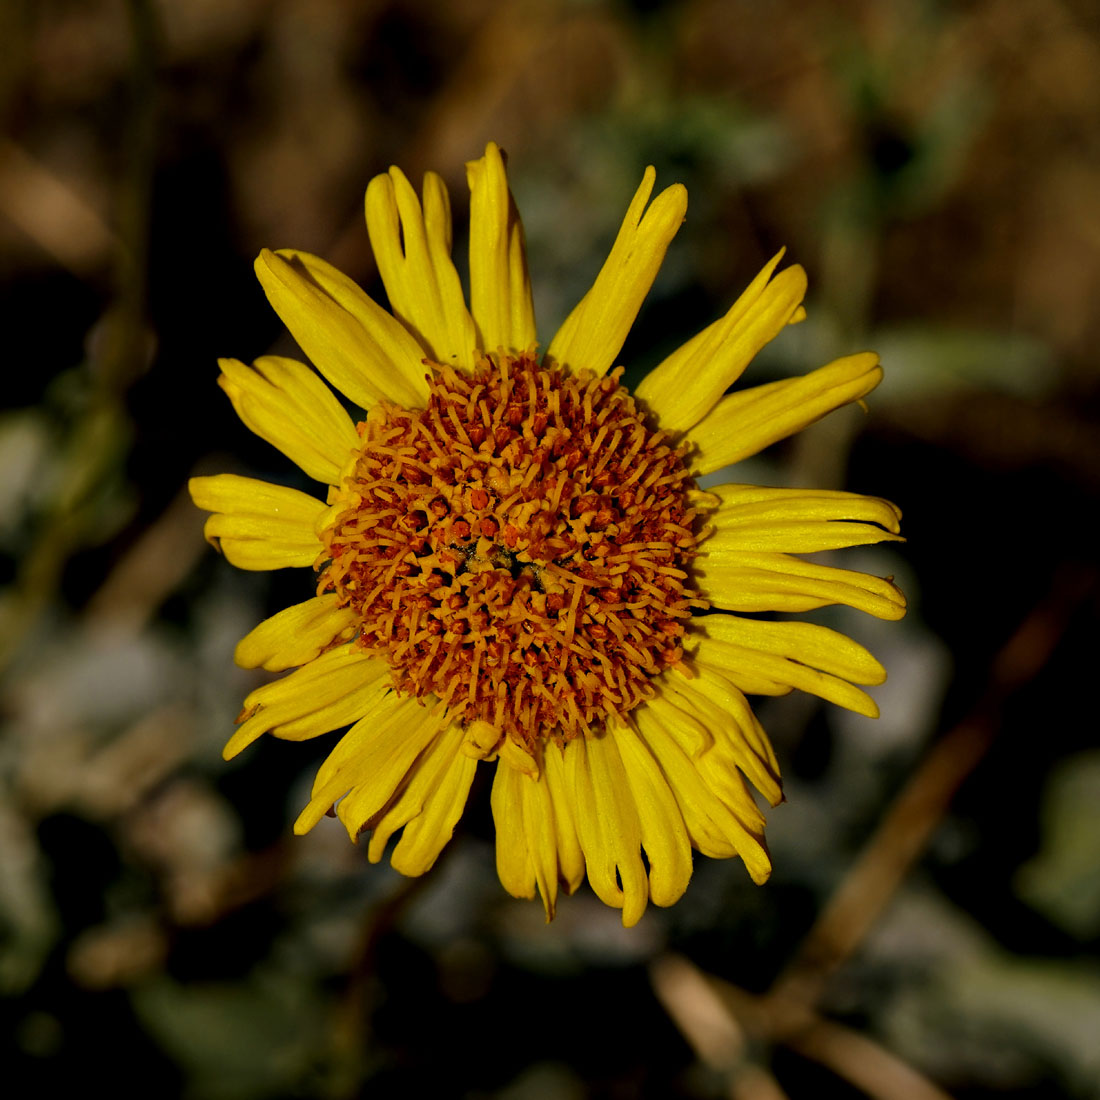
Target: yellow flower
[(513, 560)]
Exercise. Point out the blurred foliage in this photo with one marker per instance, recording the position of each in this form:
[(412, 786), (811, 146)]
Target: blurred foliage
[(1063, 880), (934, 166)]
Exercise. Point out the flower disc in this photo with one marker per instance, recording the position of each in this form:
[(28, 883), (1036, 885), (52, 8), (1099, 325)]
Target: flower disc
[(518, 548)]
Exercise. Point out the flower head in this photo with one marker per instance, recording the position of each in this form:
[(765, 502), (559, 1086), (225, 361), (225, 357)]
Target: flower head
[(513, 561)]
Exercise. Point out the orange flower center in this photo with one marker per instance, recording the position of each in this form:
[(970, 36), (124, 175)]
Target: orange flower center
[(518, 549)]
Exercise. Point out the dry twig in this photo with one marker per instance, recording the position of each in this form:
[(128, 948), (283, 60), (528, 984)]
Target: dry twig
[(721, 1021)]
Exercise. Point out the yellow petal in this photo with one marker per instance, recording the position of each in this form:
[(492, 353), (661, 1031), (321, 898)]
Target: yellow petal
[(739, 739), (481, 739), (733, 498), (748, 505), (345, 754), (526, 843), (799, 655), (369, 763), (716, 828), (363, 351), (692, 732), (412, 245), (698, 804), (750, 681), (427, 806), (751, 518), (807, 643), (716, 765), (745, 581), (517, 756), (686, 385), (664, 835), (428, 833), (513, 855), (593, 334), (338, 687), (295, 635), (258, 525), (744, 423), (570, 856), (500, 288), (796, 537), (608, 828), (386, 759), (285, 403)]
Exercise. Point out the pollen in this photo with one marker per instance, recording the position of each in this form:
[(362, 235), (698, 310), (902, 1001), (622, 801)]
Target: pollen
[(519, 550)]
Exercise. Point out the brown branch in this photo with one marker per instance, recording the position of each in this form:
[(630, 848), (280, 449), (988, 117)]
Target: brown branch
[(921, 804), (715, 1033), (722, 1022)]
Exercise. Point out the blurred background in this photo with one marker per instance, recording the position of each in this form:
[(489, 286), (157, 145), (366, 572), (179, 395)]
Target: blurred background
[(933, 921)]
